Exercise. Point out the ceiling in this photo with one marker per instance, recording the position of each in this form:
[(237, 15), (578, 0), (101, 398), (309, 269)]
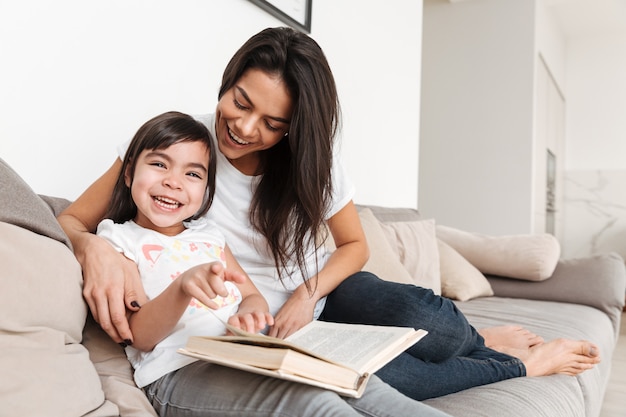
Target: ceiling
[(589, 17)]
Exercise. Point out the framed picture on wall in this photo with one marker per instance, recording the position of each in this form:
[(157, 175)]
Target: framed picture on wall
[(295, 13)]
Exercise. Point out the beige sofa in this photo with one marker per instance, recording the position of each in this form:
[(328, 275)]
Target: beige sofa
[(55, 361)]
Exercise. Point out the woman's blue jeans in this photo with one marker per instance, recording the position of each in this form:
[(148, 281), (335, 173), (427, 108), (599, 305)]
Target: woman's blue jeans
[(451, 358)]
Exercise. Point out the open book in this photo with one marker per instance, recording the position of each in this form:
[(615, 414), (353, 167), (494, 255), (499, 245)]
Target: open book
[(335, 356)]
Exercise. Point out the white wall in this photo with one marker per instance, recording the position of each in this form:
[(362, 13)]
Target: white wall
[(77, 78), (596, 90), (485, 117), (477, 101), (550, 42), (595, 209), (375, 50)]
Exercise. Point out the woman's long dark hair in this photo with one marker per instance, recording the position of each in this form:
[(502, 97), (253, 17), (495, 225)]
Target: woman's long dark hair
[(291, 201), (160, 132)]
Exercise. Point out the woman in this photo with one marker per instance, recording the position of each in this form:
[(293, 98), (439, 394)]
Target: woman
[(277, 183)]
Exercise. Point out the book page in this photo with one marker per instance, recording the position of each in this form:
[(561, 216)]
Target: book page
[(352, 345), (330, 348)]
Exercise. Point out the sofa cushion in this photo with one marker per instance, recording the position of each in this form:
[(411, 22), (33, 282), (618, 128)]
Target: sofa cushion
[(597, 281), (548, 396), (45, 370), (383, 261), (392, 214), (115, 371), (527, 257), (22, 207), (460, 280), (415, 244)]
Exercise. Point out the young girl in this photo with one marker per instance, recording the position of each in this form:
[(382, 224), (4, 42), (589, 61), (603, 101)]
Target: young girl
[(156, 219)]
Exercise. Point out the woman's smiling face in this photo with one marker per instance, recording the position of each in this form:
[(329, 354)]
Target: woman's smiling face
[(252, 116)]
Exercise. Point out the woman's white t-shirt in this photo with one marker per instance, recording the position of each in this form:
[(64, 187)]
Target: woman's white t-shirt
[(231, 204)]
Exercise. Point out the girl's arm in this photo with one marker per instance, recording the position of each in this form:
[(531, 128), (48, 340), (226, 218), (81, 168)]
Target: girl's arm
[(111, 281), (157, 318), (253, 313), (351, 254)]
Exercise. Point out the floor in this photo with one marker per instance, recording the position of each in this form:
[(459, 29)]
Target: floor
[(615, 398)]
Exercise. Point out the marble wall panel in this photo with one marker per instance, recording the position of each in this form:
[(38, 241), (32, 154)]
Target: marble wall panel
[(594, 213)]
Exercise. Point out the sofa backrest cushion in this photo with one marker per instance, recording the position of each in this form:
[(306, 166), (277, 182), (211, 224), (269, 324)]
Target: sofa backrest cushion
[(530, 257), (45, 370), (415, 244), (22, 207), (383, 261), (597, 281), (460, 280)]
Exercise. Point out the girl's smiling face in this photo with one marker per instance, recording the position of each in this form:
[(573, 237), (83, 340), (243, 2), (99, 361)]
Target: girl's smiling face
[(169, 185), (252, 116)]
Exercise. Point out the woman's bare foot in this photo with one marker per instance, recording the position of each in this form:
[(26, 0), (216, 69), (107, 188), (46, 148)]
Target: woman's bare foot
[(560, 356), (514, 337)]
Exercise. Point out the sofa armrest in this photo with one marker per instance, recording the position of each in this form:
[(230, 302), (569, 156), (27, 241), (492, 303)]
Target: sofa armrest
[(597, 281)]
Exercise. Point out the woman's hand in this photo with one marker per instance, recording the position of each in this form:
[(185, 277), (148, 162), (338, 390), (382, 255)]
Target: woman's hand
[(294, 314), (111, 286), (349, 257), (111, 282)]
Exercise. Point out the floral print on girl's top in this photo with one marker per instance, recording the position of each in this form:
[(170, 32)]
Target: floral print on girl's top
[(179, 256)]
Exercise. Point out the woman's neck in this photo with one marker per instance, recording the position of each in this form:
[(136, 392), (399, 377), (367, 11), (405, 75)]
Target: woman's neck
[(249, 165)]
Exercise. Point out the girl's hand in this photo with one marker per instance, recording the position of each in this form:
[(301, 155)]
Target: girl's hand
[(206, 281), (294, 314), (251, 322)]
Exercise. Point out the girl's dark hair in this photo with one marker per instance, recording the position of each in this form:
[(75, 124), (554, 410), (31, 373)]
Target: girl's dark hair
[(160, 132), (291, 201)]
